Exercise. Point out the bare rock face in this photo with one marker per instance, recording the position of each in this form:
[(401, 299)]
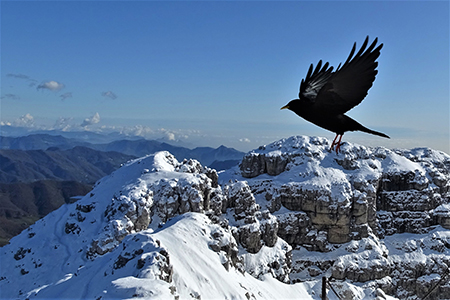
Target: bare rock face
[(322, 201), (441, 215), (345, 194), (293, 227), (240, 198)]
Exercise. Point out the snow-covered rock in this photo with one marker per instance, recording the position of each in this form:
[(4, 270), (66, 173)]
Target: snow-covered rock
[(342, 193), (375, 221), (348, 205), (143, 231)]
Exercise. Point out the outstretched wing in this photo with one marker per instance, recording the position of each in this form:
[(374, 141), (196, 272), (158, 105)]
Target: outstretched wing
[(314, 81), (349, 84)]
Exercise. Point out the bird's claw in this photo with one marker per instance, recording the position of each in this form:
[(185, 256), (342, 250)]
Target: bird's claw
[(338, 147)]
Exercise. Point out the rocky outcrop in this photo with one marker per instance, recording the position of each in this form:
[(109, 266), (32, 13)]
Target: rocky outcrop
[(131, 209), (345, 194), (292, 210), (355, 198)]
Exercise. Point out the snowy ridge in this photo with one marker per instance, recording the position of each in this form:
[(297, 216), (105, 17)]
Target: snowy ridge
[(113, 243), (374, 220)]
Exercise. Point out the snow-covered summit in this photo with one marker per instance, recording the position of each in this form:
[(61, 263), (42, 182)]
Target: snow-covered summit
[(136, 235), (284, 154), (374, 220)]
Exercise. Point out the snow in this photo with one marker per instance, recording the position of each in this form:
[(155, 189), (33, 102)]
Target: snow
[(52, 262), (126, 238), (197, 271)]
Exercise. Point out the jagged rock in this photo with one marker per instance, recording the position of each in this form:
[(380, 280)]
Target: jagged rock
[(293, 227), (250, 237), (252, 165), (374, 266), (302, 213), (269, 228), (241, 199), (442, 215), (333, 199), (274, 159), (217, 202), (225, 244)]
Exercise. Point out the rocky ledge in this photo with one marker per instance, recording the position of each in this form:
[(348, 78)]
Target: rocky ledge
[(355, 202), (374, 220)]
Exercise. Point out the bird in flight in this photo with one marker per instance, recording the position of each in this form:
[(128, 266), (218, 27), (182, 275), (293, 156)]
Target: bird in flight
[(325, 96)]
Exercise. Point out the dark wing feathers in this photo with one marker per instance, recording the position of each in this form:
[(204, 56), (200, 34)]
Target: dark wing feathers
[(339, 91), (314, 81), (349, 84)]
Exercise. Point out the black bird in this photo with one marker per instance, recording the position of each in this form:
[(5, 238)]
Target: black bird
[(325, 96)]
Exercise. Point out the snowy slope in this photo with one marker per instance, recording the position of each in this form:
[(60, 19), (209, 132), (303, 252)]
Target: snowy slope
[(162, 229), (91, 249)]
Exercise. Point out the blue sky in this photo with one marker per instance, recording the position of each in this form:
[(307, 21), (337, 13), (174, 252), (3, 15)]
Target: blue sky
[(214, 73)]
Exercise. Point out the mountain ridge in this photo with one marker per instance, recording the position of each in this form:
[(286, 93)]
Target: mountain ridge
[(81, 164), (22, 204), (290, 214), (44, 157), (136, 147)]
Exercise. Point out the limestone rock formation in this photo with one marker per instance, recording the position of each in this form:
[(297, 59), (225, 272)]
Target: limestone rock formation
[(358, 198), (371, 219)]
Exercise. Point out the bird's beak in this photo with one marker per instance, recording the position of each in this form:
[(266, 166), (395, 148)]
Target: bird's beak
[(285, 107)]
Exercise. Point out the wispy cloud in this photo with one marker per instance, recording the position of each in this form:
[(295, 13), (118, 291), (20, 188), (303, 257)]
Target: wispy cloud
[(66, 95), (244, 140), (32, 81), (109, 94), (10, 97), (51, 85), (19, 76), (63, 124), (91, 120)]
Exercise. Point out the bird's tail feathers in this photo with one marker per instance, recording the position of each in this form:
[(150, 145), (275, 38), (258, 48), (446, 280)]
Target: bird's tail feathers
[(364, 129)]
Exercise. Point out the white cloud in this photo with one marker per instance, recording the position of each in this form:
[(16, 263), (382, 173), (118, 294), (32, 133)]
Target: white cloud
[(109, 94), (63, 124), (244, 140), (91, 120), (66, 95), (170, 136), (26, 120), (51, 85)]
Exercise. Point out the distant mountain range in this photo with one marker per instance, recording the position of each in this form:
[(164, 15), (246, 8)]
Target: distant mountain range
[(21, 204), (136, 148), (37, 170), (80, 164)]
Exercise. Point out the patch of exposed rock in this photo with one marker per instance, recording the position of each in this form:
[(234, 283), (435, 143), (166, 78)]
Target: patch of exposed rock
[(324, 202)]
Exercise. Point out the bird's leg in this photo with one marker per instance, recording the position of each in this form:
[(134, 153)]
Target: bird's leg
[(338, 145), (333, 143)]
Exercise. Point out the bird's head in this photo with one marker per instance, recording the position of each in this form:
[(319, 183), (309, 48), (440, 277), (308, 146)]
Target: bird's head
[(292, 105)]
